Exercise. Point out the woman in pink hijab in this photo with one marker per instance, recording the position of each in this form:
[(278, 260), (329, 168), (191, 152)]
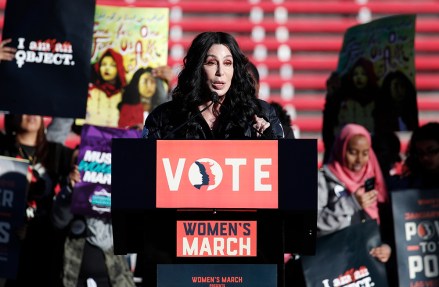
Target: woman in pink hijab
[(342, 196)]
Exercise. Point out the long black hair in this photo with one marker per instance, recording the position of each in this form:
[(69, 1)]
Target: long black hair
[(131, 94), (409, 112), (192, 91), (13, 127), (429, 131), (369, 93)]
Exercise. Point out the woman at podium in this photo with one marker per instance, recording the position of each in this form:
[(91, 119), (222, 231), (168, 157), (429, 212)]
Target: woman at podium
[(215, 97)]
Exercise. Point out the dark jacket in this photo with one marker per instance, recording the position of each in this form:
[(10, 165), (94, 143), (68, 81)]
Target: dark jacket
[(41, 245), (166, 122)]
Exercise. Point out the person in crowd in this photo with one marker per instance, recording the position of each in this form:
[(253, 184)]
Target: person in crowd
[(282, 114), (6, 53), (215, 97), (421, 167), (49, 166), (285, 119), (253, 70), (105, 92), (89, 259), (144, 92), (342, 198), (387, 147), (350, 98), (59, 129), (420, 170), (396, 107)]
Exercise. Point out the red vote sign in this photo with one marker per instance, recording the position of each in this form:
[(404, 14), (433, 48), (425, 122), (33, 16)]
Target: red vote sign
[(217, 174)]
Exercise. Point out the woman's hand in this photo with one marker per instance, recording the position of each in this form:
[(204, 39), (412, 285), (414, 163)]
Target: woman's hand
[(163, 72), (74, 176), (6, 53), (260, 125), (366, 199), (382, 252)]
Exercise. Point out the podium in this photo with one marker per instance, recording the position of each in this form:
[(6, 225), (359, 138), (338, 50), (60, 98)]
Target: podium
[(211, 211)]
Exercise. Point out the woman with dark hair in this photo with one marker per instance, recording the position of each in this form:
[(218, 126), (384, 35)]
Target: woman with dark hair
[(422, 161), (420, 171), (215, 97), (105, 93), (396, 107), (253, 70), (285, 119), (350, 99), (49, 166)]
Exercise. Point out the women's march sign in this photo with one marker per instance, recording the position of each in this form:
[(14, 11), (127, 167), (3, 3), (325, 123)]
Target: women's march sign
[(51, 70), (342, 259), (92, 196), (416, 220), (13, 187)]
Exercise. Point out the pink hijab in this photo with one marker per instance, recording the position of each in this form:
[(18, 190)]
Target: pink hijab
[(354, 180)]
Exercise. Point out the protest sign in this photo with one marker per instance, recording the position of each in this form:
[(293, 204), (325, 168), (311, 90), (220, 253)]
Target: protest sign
[(377, 70), (416, 224), (13, 190), (92, 195), (342, 259), (51, 70), (127, 44)]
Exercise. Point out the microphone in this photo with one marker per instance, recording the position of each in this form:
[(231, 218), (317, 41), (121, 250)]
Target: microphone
[(214, 99)]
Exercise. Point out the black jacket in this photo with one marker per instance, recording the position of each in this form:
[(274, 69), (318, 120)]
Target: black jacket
[(165, 122)]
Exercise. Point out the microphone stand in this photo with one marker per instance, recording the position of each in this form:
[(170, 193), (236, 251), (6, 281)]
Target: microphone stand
[(214, 99)]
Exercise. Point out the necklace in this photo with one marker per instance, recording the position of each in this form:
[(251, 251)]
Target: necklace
[(210, 116), (27, 154)]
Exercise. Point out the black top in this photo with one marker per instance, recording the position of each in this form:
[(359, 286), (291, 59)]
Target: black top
[(164, 120)]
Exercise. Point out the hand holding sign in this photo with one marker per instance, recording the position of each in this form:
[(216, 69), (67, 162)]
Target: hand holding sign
[(382, 252), (6, 53)]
